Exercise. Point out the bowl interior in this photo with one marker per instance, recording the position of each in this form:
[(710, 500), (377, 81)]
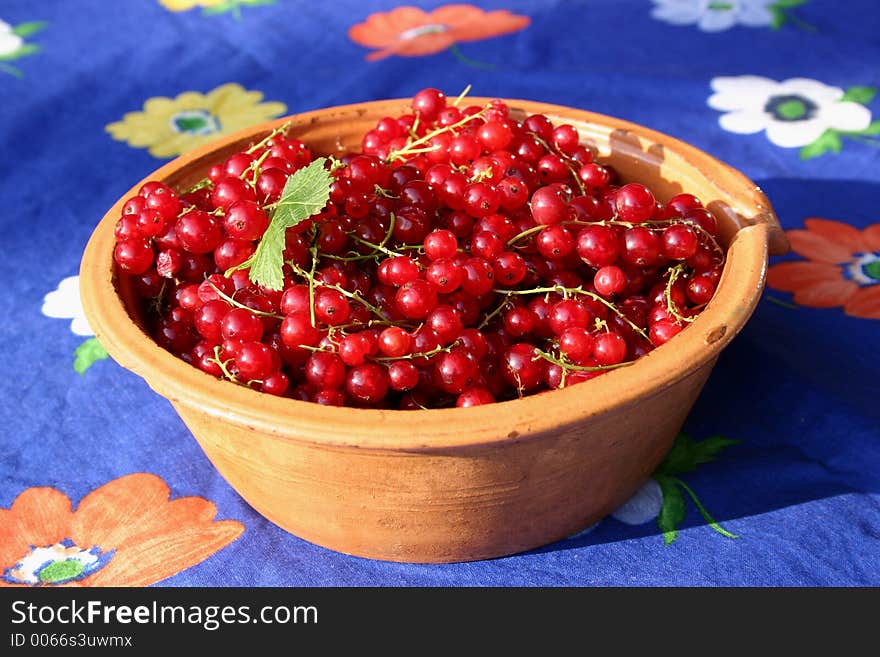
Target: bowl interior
[(667, 166)]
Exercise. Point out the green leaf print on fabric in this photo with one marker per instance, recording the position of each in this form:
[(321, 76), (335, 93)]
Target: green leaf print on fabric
[(831, 140), (13, 45), (782, 15), (685, 456), (26, 29), (87, 354), (863, 95), (234, 7), (672, 512)]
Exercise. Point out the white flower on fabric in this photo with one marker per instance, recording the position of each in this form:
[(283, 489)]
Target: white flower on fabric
[(642, 507), (9, 40), (59, 563), (794, 112), (715, 16), (64, 303)]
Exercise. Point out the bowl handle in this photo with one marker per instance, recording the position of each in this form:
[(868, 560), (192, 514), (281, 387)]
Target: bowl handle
[(753, 208), (777, 242)]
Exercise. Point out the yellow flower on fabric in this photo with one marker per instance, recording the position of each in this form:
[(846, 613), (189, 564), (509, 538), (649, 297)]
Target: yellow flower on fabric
[(186, 5), (213, 7), (171, 126)]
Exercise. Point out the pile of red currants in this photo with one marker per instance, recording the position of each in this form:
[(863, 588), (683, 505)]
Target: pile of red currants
[(463, 257)]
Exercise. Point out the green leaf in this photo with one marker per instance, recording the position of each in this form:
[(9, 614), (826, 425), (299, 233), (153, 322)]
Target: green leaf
[(26, 29), (827, 141), (672, 510), (87, 354), (686, 454), (861, 95), (305, 193), (23, 51)]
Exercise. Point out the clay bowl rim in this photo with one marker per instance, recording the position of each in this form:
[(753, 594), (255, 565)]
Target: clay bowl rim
[(438, 430)]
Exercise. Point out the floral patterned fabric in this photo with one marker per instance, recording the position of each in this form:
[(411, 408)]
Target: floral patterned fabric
[(775, 478)]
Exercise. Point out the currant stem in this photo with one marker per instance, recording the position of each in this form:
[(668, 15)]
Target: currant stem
[(488, 318), (566, 365), (391, 220), (409, 148), (158, 301), (565, 160), (697, 227), (582, 292), (311, 276), (254, 169), (461, 96), (420, 354), (237, 304), (204, 182), (375, 247), (528, 232), (671, 308), (350, 295), (280, 130), (354, 257), (222, 364)]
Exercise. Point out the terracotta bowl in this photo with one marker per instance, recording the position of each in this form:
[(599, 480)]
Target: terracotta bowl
[(453, 484)]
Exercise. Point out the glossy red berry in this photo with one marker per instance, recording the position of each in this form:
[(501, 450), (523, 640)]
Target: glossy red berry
[(549, 206), (134, 256), (367, 383), (598, 246)]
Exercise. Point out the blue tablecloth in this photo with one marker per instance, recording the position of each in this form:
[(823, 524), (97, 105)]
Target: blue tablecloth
[(100, 481)]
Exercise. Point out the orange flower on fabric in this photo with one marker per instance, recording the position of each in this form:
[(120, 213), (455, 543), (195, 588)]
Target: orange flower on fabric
[(842, 268), (413, 32), (125, 533)]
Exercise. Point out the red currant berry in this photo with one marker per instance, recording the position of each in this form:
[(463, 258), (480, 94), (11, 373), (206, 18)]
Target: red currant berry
[(325, 371), (555, 242), (456, 371), (549, 206), (577, 344), (641, 246), (700, 289), (134, 256), (475, 396), (297, 331), (416, 298), (241, 324), (440, 244), (428, 103), (634, 203), (403, 375), (254, 361), (609, 349), (198, 232), (367, 383), (230, 190), (245, 220), (680, 242), (609, 280), (523, 368), (597, 246)]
